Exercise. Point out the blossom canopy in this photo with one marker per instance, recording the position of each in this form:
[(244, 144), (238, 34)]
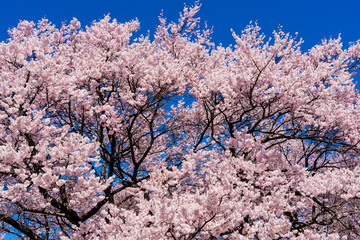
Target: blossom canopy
[(170, 136)]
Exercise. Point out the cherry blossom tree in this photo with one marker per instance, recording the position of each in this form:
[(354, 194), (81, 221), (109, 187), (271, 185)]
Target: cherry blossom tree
[(108, 136)]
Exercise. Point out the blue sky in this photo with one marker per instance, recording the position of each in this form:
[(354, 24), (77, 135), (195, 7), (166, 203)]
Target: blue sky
[(312, 19)]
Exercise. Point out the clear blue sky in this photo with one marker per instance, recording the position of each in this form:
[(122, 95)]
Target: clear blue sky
[(312, 19)]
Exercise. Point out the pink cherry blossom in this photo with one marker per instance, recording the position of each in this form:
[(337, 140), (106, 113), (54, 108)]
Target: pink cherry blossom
[(104, 136)]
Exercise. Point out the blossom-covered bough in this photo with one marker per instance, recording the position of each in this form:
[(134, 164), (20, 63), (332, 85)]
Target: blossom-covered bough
[(104, 136)]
